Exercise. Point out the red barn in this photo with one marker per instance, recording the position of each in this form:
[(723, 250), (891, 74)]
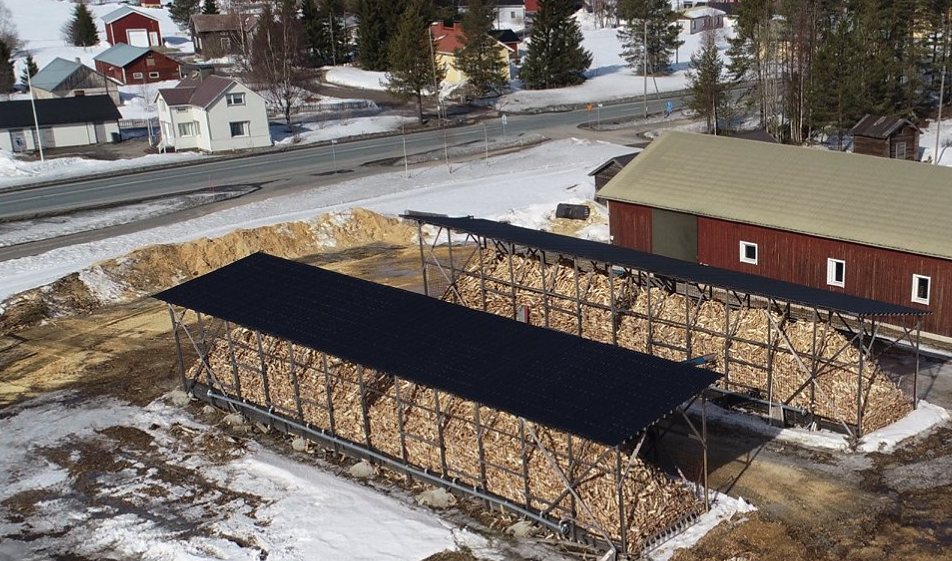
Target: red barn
[(132, 27), (861, 225), (136, 65)]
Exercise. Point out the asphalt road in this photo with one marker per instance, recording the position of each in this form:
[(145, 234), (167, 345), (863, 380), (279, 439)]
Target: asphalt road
[(278, 171)]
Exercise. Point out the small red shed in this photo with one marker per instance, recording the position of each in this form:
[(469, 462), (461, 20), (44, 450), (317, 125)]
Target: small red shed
[(136, 65), (132, 27)]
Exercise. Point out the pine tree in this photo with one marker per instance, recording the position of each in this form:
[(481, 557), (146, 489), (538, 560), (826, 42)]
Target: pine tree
[(480, 59), (326, 37), (6, 68), (659, 37), (556, 57), (755, 59), (414, 71), (706, 84), (210, 7), (81, 30), (29, 70), (182, 11), (377, 21)]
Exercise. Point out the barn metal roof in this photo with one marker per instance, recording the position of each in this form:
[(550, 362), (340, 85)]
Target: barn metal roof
[(880, 202), (123, 12), (54, 74), (596, 391), (669, 267), (121, 54)]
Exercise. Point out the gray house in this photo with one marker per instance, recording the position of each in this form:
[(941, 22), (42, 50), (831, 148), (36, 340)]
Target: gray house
[(64, 78), (63, 121)]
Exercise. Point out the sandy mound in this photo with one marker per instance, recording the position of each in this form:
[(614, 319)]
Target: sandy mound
[(157, 267)]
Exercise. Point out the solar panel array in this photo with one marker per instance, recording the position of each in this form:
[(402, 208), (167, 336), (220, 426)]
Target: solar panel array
[(593, 390), (670, 267)]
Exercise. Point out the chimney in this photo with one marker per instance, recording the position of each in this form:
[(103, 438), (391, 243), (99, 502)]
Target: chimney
[(78, 61)]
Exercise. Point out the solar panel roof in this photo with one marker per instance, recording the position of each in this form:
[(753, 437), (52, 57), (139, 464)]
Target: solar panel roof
[(669, 267), (593, 390)]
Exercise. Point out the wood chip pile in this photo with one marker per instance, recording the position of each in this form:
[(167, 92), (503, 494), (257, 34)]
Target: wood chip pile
[(653, 502), (744, 361)]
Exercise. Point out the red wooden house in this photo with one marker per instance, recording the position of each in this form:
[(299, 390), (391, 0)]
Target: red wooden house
[(136, 65), (861, 225), (132, 27)]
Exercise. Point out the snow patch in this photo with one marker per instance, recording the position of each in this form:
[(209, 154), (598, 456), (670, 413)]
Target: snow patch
[(918, 423), (723, 507)]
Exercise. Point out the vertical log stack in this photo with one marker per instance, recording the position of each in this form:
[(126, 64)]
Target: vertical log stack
[(744, 339), (652, 501)]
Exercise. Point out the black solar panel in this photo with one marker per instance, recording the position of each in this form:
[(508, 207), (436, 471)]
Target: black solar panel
[(669, 267), (593, 390)]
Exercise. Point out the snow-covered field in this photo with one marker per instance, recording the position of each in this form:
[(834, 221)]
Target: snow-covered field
[(14, 171)]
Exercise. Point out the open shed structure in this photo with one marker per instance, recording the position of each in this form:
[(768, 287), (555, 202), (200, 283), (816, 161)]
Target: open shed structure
[(801, 355), (543, 423)]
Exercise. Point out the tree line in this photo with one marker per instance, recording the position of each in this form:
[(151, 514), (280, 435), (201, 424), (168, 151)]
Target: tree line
[(808, 68)]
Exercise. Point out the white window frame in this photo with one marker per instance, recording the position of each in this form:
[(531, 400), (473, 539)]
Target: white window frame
[(188, 127), (137, 75), (245, 128), (896, 154), (743, 253), (153, 74), (915, 293), (831, 272), (239, 96)]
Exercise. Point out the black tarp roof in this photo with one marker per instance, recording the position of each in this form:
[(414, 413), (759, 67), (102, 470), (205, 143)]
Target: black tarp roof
[(593, 390), (669, 267)]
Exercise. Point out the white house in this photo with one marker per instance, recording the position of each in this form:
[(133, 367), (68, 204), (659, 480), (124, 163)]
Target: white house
[(701, 18), (63, 121), (212, 114)]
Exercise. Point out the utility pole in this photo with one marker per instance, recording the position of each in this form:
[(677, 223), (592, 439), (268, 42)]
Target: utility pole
[(36, 121), (330, 22), (645, 69)]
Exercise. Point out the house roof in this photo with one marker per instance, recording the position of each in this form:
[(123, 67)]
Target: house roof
[(504, 36), (877, 126), (621, 161), (497, 3), (882, 202), (193, 91), (449, 38), (701, 12), (58, 111), (123, 12), (121, 54), (759, 135), (54, 73), (207, 23)]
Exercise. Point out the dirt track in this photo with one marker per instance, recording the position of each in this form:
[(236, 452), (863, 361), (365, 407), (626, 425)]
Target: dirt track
[(812, 505)]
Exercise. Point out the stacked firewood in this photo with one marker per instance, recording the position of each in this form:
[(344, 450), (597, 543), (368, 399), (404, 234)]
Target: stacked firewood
[(757, 336), (440, 432)]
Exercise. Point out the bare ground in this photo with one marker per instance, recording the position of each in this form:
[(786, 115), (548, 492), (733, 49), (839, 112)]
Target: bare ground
[(812, 505)]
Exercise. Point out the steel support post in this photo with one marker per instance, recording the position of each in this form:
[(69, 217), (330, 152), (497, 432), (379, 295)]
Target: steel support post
[(813, 367), (525, 462), (707, 494), (400, 422), (770, 355), (365, 413), (616, 319), (328, 394), (482, 277), (649, 345), (915, 374), (545, 290), (263, 371), (426, 285), (859, 379), (449, 244), (294, 381), (622, 522), (178, 346), (728, 335), (578, 297), (512, 284), (234, 361), (480, 447), (439, 431), (573, 507)]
